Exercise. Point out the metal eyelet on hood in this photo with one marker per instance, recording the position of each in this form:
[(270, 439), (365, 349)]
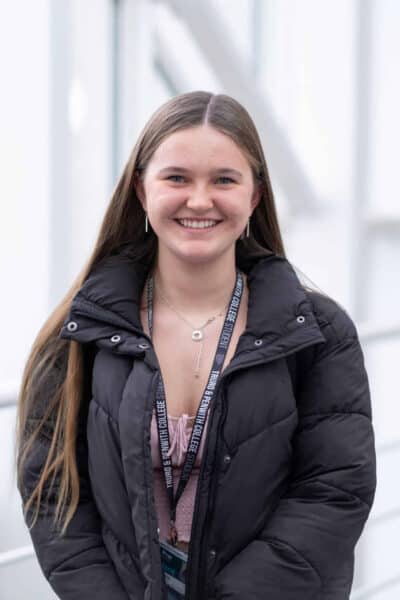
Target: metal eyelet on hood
[(115, 338), (72, 326), (258, 342), (300, 319), (227, 459)]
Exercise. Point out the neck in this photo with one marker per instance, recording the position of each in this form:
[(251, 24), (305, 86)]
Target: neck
[(195, 289)]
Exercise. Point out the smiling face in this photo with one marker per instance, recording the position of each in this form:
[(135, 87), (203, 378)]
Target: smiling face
[(198, 192)]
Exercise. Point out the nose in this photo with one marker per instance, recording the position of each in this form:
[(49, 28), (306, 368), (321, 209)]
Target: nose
[(199, 199)]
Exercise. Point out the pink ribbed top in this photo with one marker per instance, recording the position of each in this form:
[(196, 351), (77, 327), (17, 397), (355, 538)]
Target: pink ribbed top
[(180, 430)]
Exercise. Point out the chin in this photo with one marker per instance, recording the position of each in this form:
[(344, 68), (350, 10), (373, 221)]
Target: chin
[(196, 257), (202, 256)]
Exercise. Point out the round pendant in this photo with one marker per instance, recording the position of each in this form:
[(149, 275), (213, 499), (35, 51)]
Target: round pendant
[(197, 335)]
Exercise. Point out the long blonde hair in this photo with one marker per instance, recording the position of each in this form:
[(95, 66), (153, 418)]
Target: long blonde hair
[(55, 370)]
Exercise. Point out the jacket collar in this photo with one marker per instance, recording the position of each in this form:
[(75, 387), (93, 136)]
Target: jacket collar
[(280, 313)]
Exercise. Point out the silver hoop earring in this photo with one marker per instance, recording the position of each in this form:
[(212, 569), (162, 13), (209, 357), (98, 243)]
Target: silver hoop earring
[(248, 228), (146, 223)]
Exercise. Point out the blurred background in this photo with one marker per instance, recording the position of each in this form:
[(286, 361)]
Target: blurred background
[(79, 81)]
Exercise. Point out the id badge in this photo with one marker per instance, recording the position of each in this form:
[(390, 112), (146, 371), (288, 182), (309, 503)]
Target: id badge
[(174, 563)]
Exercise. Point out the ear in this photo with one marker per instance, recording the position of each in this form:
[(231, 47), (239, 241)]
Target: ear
[(256, 197), (139, 189)]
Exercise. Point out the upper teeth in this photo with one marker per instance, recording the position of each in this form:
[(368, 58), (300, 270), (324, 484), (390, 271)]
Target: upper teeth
[(188, 223)]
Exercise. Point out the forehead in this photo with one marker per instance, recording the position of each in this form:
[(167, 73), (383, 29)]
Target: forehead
[(201, 146)]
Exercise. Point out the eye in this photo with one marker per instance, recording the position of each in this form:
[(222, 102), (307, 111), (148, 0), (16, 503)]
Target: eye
[(228, 178), (171, 176)]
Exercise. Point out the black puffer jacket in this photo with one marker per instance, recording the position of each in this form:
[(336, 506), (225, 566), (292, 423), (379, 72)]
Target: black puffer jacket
[(288, 475)]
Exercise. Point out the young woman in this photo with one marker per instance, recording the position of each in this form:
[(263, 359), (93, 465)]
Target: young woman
[(193, 421)]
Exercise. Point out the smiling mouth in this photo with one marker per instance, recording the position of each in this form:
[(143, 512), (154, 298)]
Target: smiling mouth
[(198, 224)]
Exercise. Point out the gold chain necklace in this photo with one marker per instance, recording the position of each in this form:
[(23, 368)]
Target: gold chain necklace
[(197, 332)]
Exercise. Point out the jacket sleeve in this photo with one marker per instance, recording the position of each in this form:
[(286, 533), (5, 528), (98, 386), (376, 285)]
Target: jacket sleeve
[(305, 550), (76, 565)]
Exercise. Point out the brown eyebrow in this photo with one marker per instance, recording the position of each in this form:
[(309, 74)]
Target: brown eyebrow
[(223, 170)]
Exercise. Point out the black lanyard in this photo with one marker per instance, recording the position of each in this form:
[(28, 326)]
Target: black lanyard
[(198, 426)]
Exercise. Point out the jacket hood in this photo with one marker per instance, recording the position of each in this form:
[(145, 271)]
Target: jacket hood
[(108, 304)]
